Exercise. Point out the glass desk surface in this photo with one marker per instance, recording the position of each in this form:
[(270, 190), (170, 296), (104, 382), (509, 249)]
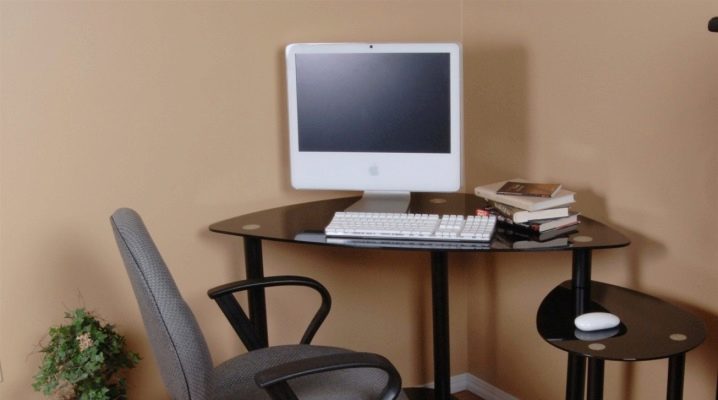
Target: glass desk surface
[(650, 328), (305, 222)]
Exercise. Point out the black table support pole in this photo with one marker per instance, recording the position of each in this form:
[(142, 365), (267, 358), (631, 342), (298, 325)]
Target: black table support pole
[(440, 313), (595, 379), (575, 377), (581, 273), (581, 284), (676, 369), (257, 304)]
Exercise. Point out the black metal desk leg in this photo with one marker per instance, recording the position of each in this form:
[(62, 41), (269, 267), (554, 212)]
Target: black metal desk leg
[(676, 369), (440, 313), (595, 379), (257, 304)]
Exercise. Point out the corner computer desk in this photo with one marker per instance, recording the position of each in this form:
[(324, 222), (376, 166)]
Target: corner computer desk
[(304, 223)]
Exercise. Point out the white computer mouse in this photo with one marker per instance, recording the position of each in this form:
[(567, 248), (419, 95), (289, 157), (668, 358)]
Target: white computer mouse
[(596, 321), (594, 336)]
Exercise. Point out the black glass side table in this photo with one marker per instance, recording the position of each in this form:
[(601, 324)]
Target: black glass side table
[(650, 329)]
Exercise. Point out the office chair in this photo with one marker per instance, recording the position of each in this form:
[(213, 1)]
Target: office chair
[(287, 372)]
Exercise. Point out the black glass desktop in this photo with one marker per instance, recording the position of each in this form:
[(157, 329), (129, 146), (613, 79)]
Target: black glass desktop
[(304, 224)]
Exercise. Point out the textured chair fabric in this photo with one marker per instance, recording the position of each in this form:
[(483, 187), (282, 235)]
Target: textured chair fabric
[(181, 350), (237, 376), (177, 341)]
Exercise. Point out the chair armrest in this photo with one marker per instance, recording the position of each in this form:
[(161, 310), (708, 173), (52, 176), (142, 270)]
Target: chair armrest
[(274, 380), (224, 296)]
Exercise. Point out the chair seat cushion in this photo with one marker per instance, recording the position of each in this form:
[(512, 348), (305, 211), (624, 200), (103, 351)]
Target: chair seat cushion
[(234, 379)]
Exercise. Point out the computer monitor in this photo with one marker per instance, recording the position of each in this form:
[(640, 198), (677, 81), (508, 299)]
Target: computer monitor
[(384, 119)]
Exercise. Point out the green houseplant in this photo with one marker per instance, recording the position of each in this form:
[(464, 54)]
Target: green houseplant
[(84, 360)]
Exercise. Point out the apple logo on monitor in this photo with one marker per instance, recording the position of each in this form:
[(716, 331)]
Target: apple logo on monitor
[(374, 170)]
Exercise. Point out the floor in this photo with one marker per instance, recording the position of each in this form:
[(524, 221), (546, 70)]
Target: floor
[(466, 396)]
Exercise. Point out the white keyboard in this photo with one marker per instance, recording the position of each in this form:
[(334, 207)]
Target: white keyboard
[(411, 226)]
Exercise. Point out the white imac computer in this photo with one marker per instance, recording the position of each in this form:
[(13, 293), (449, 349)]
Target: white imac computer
[(384, 119)]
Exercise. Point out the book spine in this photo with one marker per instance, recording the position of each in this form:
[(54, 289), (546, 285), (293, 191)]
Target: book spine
[(519, 226), (505, 209)]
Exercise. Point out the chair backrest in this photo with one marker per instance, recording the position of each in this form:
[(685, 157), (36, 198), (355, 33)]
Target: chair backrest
[(177, 341)]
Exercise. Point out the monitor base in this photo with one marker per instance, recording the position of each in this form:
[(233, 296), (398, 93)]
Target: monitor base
[(391, 202)]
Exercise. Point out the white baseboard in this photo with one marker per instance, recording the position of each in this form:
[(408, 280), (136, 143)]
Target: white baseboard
[(471, 383), (485, 390)]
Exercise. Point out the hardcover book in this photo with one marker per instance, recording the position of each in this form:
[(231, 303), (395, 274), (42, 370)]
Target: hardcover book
[(527, 235), (514, 188), (523, 240), (530, 203), (519, 215), (542, 225)]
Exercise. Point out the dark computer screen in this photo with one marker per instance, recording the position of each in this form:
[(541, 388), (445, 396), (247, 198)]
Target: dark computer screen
[(383, 102)]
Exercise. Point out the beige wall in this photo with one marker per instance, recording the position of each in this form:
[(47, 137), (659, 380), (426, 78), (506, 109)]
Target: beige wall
[(177, 110)]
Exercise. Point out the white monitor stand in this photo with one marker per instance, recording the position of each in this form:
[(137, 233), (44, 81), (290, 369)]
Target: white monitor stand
[(384, 201)]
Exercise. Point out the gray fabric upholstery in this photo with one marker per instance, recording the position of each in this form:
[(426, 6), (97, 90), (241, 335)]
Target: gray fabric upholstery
[(177, 342), (237, 376), (181, 350)]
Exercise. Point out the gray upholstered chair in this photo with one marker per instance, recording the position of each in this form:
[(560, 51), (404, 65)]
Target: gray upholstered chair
[(265, 372)]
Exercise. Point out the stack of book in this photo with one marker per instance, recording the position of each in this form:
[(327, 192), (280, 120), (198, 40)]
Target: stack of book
[(538, 211)]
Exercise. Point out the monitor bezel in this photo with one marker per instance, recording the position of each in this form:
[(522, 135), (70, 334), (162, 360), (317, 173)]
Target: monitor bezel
[(369, 171)]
